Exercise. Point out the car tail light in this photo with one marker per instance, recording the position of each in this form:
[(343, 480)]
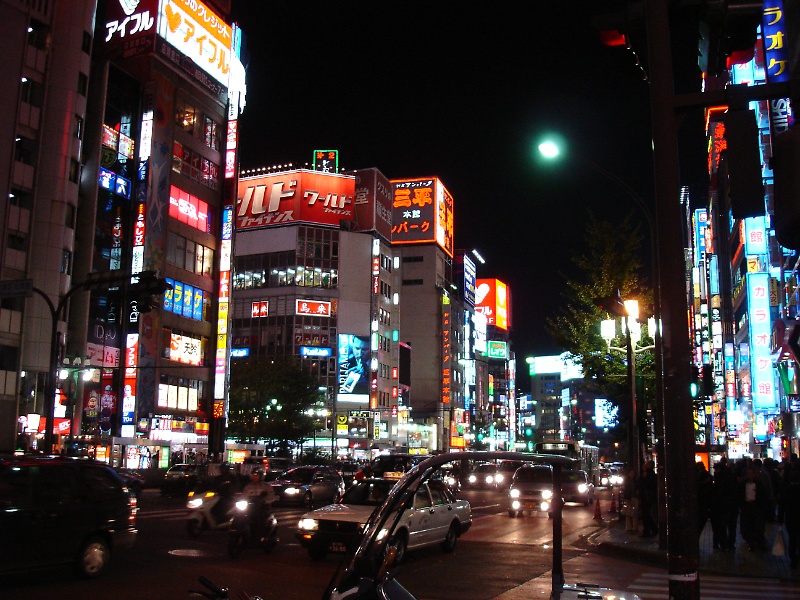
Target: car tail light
[(133, 508)]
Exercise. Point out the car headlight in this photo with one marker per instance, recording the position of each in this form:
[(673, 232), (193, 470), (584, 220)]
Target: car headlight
[(451, 481), (547, 494), (308, 524), (194, 503), (514, 493), (499, 478), (472, 479), (291, 491), (582, 487), (604, 480), (489, 479), (241, 505), (545, 505), (516, 505)]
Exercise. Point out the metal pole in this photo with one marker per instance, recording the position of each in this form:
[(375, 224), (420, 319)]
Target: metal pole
[(633, 426)]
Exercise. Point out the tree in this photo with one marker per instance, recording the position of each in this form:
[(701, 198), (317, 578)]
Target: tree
[(609, 260), (269, 400)]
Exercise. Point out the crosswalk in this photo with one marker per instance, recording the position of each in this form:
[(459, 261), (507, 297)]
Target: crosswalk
[(655, 586)]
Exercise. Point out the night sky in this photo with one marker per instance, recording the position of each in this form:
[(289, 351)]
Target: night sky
[(463, 93)]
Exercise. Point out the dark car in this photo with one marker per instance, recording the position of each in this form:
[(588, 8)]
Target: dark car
[(308, 485), (62, 511), (482, 476), (133, 479), (182, 478), (576, 487)]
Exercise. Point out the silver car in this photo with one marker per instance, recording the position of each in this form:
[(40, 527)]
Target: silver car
[(531, 490)]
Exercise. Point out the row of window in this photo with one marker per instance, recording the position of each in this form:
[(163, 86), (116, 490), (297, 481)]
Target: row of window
[(199, 125), (299, 276), (189, 255), (194, 166)]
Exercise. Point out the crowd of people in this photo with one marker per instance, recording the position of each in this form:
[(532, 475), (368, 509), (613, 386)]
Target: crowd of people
[(744, 495)]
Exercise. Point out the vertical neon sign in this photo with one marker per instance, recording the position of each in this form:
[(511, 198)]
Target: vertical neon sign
[(758, 312)]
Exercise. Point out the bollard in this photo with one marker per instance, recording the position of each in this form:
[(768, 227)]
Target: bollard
[(597, 515), (613, 503)]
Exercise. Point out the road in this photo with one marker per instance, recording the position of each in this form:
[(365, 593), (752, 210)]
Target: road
[(166, 563)]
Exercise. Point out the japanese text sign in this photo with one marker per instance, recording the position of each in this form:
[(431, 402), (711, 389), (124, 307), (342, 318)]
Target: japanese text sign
[(422, 212)]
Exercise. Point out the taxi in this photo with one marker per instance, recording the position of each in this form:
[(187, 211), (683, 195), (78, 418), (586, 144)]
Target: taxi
[(436, 517)]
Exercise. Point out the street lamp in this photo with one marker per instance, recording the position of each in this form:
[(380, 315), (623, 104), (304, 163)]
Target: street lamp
[(71, 389), (633, 334)]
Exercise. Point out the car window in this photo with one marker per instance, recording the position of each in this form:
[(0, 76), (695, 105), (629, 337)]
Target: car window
[(422, 499), (534, 476), (300, 475), (437, 492), (573, 476), (56, 485), (16, 488), (99, 485), (368, 492)]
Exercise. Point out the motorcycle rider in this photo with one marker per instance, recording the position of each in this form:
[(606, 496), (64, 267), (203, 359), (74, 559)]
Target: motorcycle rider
[(262, 493), (226, 485)]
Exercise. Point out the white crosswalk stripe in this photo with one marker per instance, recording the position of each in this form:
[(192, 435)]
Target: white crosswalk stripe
[(655, 586)]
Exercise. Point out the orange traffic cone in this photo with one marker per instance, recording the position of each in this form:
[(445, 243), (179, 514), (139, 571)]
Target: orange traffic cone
[(597, 515), (613, 503)]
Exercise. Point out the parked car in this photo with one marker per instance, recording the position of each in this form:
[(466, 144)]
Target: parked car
[(58, 510), (180, 479), (436, 517), (308, 485), (576, 487), (531, 490)]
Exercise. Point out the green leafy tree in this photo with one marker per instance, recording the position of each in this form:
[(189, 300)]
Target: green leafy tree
[(269, 401), (608, 260)]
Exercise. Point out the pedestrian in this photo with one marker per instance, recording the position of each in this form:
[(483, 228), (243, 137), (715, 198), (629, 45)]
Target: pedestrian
[(648, 497), (629, 493), (754, 502), (790, 508), (704, 490), (724, 506)]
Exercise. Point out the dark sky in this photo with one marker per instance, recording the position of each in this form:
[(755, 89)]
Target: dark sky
[(462, 91)]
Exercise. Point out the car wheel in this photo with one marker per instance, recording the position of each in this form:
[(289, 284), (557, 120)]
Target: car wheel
[(449, 543), (512, 513), (401, 545), (93, 557), (317, 553), (308, 500), (194, 527)]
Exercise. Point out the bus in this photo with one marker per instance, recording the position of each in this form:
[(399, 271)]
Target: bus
[(587, 455)]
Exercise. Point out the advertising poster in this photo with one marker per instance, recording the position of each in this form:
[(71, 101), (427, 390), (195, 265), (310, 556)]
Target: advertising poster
[(354, 354)]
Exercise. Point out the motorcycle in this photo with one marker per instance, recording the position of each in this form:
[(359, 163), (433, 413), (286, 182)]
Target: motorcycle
[(209, 510), (253, 526)]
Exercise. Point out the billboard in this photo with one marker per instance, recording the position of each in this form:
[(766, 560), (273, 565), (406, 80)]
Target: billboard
[(299, 196), (491, 300), (354, 371), (422, 212), (372, 202)]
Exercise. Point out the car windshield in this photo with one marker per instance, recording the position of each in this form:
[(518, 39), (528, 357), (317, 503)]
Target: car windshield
[(573, 477), (485, 469), (534, 476), (177, 468), (509, 467), (368, 493), (298, 475)]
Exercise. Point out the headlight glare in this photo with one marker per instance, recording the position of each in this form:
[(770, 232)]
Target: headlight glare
[(194, 503), (291, 491), (514, 493), (308, 524), (241, 505), (582, 487), (547, 494)]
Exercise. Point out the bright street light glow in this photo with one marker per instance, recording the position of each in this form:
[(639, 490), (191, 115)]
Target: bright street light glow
[(548, 149)]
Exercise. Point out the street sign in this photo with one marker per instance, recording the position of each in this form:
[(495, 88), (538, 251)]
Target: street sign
[(16, 288)]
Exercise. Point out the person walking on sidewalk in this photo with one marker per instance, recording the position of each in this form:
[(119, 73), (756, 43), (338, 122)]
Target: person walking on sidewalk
[(755, 503), (790, 509), (724, 506), (648, 498), (704, 490)]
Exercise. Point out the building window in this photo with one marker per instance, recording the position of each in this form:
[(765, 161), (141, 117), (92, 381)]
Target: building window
[(74, 170), (189, 255), (66, 262), (79, 127), (32, 92), (185, 116), (412, 282), (17, 242), (211, 133), (69, 216), (38, 35), (86, 45), (20, 199), (25, 151), (83, 84)]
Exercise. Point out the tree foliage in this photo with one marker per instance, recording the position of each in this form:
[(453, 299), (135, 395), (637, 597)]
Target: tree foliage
[(269, 400), (608, 260)]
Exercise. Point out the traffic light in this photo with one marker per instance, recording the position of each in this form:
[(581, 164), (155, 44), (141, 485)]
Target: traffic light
[(694, 384), (148, 291), (708, 381)]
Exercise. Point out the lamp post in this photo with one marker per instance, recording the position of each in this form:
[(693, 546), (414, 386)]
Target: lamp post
[(633, 334)]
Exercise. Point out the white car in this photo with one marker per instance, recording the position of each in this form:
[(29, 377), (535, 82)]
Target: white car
[(436, 517)]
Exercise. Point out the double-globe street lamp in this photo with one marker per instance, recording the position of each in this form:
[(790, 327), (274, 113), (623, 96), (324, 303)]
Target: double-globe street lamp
[(633, 335)]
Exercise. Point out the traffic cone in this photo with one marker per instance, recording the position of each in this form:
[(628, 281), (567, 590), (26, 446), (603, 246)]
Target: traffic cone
[(613, 503), (597, 515)]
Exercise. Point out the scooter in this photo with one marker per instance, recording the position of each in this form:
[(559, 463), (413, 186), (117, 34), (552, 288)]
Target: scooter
[(247, 532), (209, 511)]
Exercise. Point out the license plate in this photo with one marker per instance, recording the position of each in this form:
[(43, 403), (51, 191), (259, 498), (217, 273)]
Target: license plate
[(338, 547)]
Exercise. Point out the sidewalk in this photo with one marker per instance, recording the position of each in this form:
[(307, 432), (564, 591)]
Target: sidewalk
[(614, 540)]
